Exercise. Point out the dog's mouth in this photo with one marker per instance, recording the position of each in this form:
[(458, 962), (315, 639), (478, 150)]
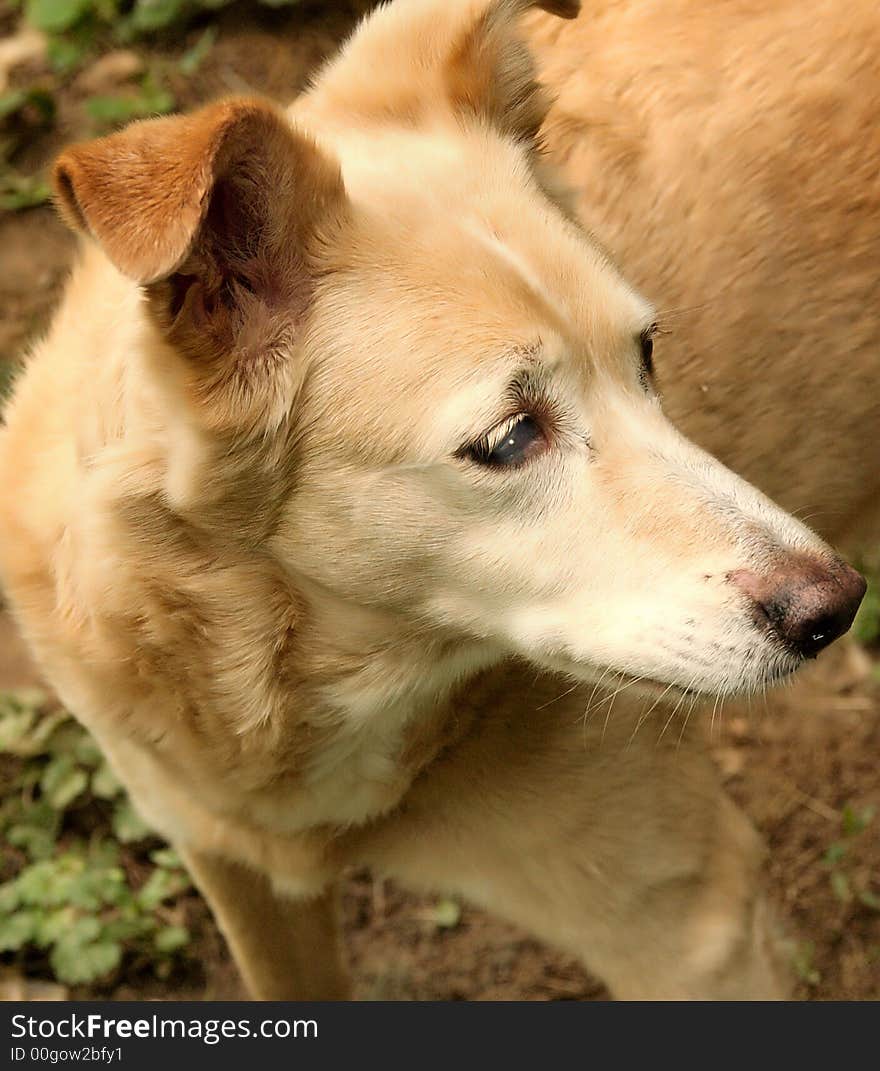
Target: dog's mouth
[(752, 676), (793, 613), (774, 672)]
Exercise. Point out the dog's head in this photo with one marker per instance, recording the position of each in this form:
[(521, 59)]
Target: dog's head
[(383, 297)]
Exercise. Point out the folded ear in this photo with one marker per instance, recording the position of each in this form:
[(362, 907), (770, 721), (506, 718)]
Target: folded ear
[(462, 55), (216, 214)]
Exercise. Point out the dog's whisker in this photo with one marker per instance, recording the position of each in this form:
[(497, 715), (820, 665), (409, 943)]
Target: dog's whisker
[(622, 688), (690, 710), (646, 714), (588, 709), (712, 719), (677, 706), (556, 698)]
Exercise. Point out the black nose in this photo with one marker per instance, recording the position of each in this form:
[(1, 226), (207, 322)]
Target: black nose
[(807, 602)]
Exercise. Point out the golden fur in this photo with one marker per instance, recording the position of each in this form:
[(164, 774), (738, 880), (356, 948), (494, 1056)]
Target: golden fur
[(244, 536)]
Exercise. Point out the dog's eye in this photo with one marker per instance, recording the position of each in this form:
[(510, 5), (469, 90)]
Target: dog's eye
[(646, 341), (510, 444)]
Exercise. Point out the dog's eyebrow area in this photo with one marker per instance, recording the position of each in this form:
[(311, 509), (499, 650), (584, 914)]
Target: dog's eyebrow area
[(493, 391), (529, 385)]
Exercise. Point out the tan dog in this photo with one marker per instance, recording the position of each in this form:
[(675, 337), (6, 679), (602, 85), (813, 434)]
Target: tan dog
[(341, 481)]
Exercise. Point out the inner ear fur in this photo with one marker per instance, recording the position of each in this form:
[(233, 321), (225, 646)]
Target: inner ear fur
[(146, 192), (463, 55), (490, 74), (216, 215)]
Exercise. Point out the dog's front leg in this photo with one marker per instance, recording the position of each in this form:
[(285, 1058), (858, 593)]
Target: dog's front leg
[(616, 848), (285, 949)]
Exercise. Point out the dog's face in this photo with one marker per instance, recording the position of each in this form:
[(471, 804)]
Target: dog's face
[(486, 450), (463, 380)]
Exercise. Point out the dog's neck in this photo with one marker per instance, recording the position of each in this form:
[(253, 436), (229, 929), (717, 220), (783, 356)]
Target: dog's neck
[(390, 693), (372, 666)]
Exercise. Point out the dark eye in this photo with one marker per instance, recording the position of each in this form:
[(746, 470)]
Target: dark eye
[(510, 445), (646, 341)]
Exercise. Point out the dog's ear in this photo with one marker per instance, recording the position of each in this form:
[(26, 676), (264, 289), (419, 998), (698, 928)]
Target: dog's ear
[(489, 71), (466, 56), (216, 214)]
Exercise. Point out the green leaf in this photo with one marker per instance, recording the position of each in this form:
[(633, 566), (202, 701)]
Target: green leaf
[(156, 14), (18, 929), (131, 927), (170, 938), (841, 887), (854, 822), (110, 110), (40, 99), (193, 58), (10, 103), (18, 192), (834, 853), (104, 852), (802, 954), (55, 16), (63, 781), (128, 824), (83, 930), (24, 729), (37, 832), (161, 885), (866, 627), (75, 961), (64, 54), (53, 925), (32, 698), (37, 882), (9, 898), (166, 857), (446, 914), (869, 899), (105, 784), (85, 750), (15, 725), (108, 10), (87, 889)]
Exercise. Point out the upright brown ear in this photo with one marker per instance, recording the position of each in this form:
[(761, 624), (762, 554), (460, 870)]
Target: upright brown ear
[(144, 192), (408, 59), (215, 213)]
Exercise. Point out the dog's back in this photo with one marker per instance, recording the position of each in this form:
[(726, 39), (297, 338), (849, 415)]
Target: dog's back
[(728, 155)]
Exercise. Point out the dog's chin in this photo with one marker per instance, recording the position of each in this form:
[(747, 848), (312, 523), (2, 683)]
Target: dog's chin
[(750, 678), (650, 687)]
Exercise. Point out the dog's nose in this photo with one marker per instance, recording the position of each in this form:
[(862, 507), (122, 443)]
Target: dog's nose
[(807, 602)]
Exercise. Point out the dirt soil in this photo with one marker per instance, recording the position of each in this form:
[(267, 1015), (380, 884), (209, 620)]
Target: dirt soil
[(794, 761)]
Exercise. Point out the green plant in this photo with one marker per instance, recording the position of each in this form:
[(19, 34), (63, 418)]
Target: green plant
[(866, 628), (802, 958), (22, 111), (76, 21), (150, 99), (73, 892), (76, 33), (848, 886)]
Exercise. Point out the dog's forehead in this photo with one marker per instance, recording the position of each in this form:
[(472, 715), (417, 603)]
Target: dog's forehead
[(452, 228)]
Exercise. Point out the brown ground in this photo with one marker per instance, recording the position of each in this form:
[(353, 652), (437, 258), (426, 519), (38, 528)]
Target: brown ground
[(793, 762)]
